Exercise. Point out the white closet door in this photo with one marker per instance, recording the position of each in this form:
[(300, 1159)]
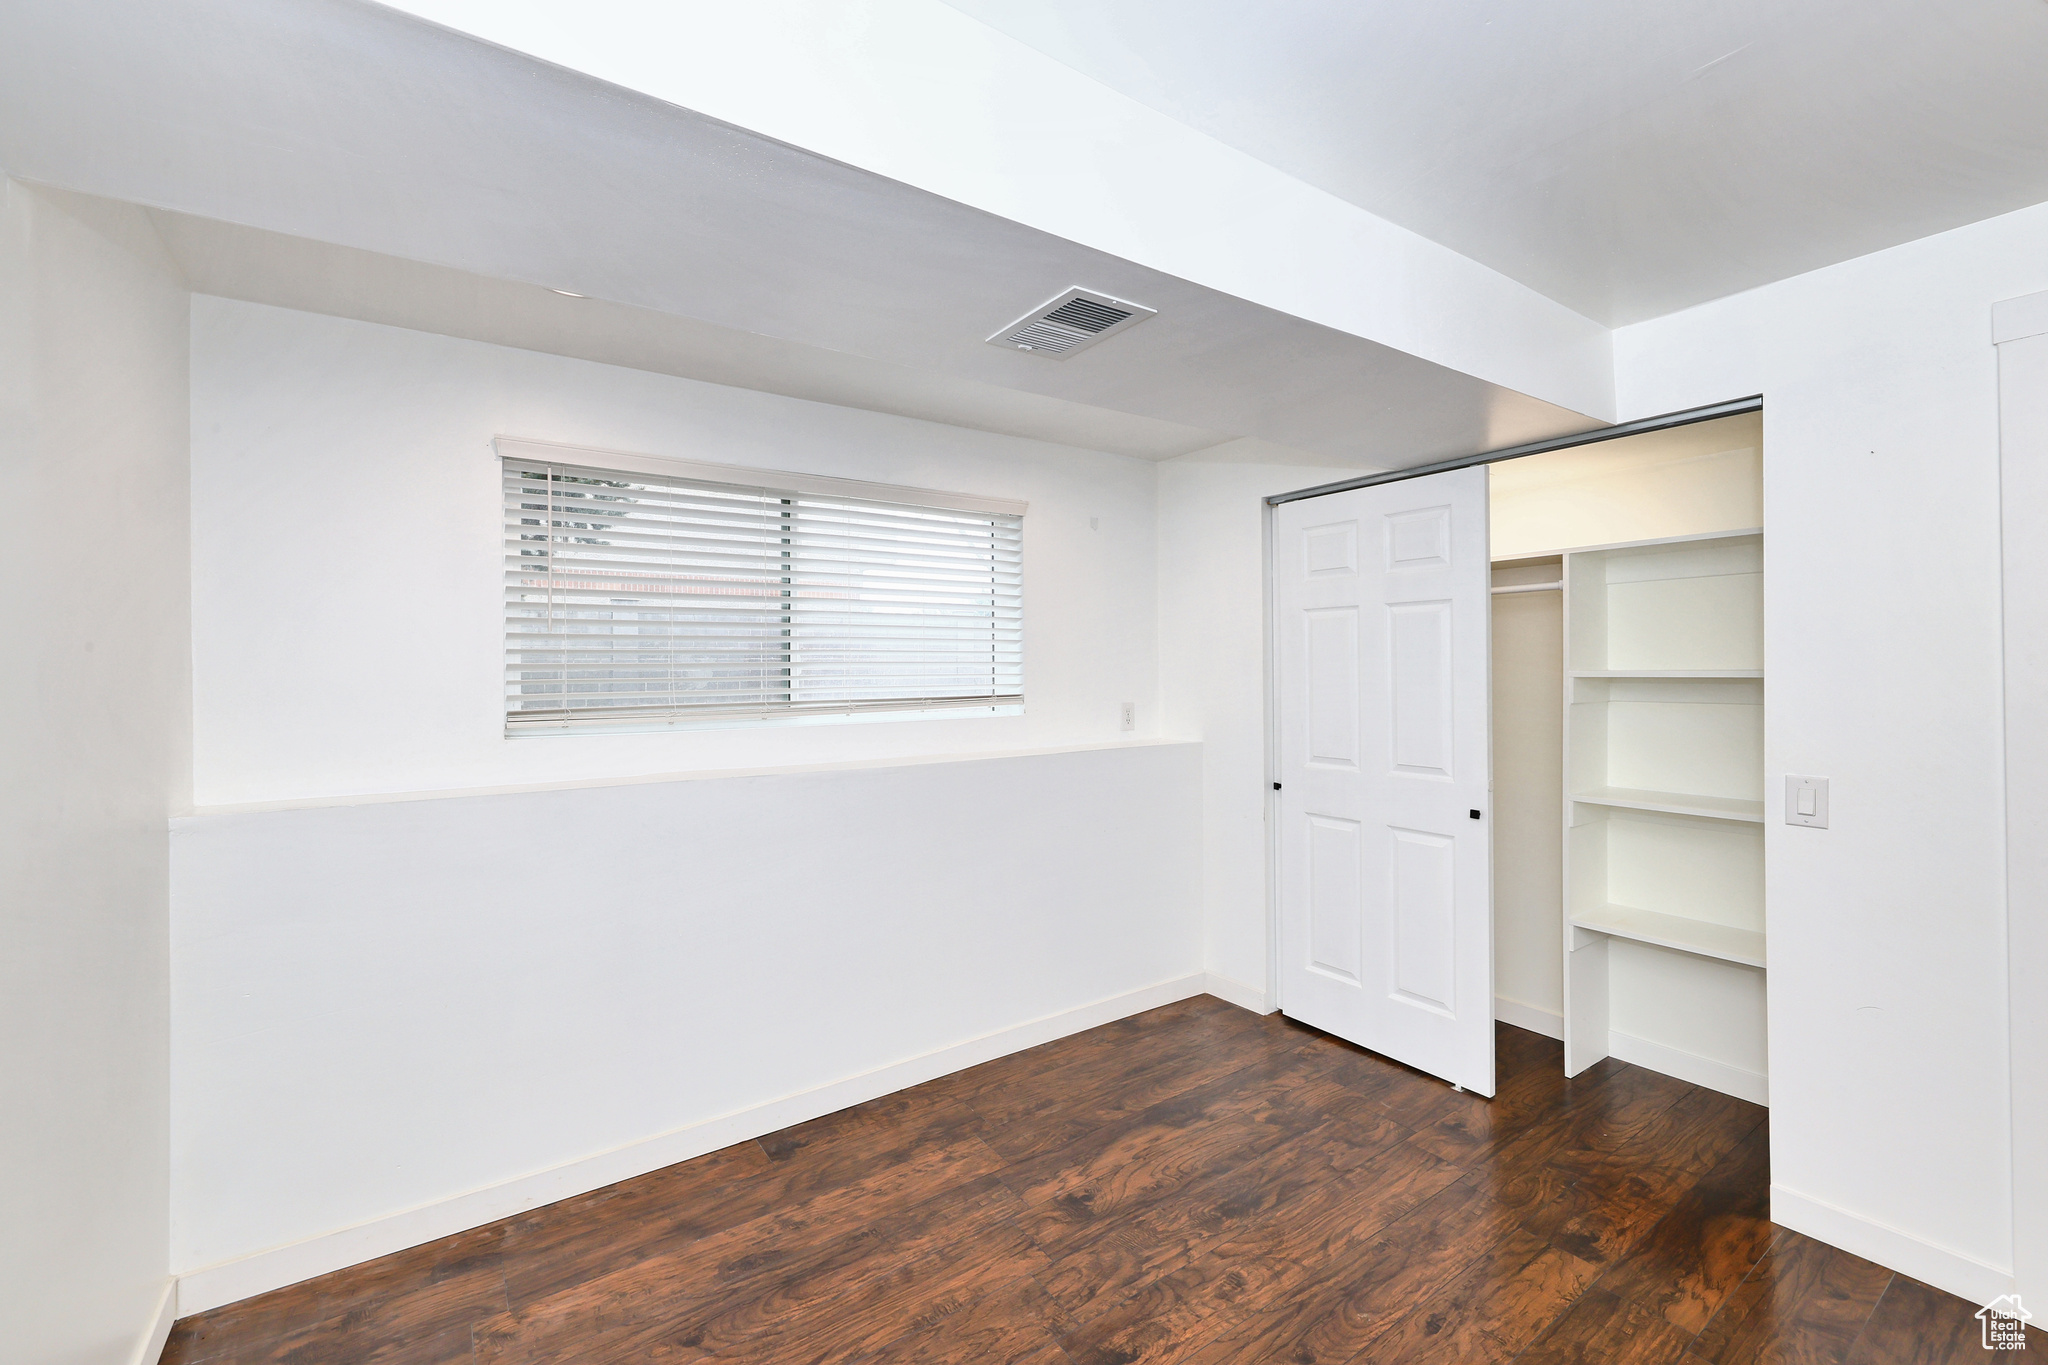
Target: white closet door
[(1386, 876)]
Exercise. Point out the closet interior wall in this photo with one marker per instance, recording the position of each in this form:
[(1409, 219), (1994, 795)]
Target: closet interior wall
[(1628, 750)]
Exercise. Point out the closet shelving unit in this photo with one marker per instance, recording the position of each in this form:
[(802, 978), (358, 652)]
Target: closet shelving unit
[(1663, 762)]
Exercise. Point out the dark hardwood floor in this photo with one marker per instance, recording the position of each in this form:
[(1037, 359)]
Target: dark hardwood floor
[(1196, 1184)]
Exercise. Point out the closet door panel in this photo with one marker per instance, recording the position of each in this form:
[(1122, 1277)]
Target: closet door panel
[(1383, 648)]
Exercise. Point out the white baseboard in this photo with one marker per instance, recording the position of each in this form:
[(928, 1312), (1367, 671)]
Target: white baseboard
[(1743, 1084), (150, 1349), (1534, 1018), (1753, 1086), (1926, 1261), (229, 1281), (1230, 989)]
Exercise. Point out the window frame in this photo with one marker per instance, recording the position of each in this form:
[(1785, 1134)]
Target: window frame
[(509, 451)]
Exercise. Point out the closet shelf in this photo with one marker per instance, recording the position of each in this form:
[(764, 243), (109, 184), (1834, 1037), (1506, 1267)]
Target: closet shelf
[(1671, 673), (1702, 937), (1674, 803)]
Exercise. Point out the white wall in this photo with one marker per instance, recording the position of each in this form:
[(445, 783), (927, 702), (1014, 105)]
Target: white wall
[(390, 1005), (1888, 1052), (2021, 330), (93, 436), (347, 565), (1528, 802), (397, 1018)]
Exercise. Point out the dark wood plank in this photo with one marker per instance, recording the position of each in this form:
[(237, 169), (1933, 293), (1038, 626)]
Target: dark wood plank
[(1362, 1295), (1601, 1120), (825, 1319), (1070, 1085), (1606, 1171), (1009, 1325), (1322, 1279), (847, 1232), (1112, 1259), (1915, 1324), (421, 1291), (1214, 1057), (1163, 1149), (894, 1150), (1530, 1089), (1514, 1289), (1601, 1329), (1688, 1264), (1804, 1301)]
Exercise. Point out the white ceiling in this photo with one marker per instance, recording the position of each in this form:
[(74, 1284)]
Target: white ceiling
[(319, 277), (1626, 158), (310, 150)]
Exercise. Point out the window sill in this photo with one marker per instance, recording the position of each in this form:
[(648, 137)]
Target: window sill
[(773, 720)]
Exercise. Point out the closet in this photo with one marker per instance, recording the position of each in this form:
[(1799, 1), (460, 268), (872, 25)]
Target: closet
[(1628, 695)]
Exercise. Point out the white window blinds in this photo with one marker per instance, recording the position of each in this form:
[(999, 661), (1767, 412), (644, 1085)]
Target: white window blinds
[(637, 596)]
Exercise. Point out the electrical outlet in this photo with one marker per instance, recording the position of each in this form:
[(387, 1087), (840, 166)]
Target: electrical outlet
[(1130, 715)]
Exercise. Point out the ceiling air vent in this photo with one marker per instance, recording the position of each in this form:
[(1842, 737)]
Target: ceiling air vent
[(1070, 322)]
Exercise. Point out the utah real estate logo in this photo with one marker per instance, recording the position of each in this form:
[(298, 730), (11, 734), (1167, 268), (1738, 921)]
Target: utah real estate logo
[(2005, 1323)]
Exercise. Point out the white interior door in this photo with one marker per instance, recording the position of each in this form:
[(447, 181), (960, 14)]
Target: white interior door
[(1385, 846)]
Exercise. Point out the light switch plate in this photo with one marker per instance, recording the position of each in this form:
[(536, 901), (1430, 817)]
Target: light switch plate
[(1806, 801)]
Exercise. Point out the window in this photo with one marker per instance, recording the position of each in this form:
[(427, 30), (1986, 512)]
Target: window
[(643, 592)]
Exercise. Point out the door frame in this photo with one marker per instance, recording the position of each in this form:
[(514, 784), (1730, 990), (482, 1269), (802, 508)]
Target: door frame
[(1663, 422)]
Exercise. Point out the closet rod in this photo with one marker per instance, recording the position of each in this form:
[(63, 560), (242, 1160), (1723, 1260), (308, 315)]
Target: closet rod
[(1529, 587), (1753, 403)]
